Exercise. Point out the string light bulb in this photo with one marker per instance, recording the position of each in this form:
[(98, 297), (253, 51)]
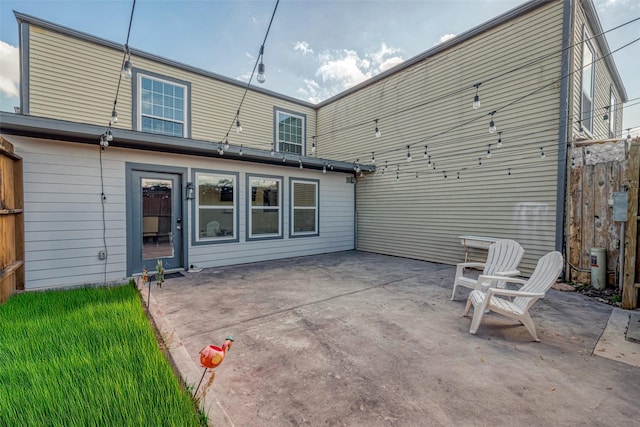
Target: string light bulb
[(428, 160), (444, 173), (220, 150), (238, 126), (313, 144), (386, 164), (226, 143), (492, 123), (324, 168), (377, 130), (361, 174), (488, 151), (241, 152), (581, 130), (479, 161), (300, 163), (606, 114), (573, 161), (283, 158), (542, 155), (114, 116), (629, 136), (426, 153), (261, 78), (409, 158), (476, 98), (416, 175), (458, 175), (109, 135), (104, 141), (373, 157), (499, 144), (509, 171), (126, 67)]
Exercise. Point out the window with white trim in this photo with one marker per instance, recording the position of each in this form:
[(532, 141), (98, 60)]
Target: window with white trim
[(162, 106), (216, 206), (265, 202), (612, 114), (588, 80), (290, 132), (304, 207)]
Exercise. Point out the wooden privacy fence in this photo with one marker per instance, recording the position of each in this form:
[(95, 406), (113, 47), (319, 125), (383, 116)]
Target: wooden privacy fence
[(597, 170), (11, 222), (632, 248)]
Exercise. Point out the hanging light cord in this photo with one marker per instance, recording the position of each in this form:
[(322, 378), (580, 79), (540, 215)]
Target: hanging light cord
[(255, 65), (103, 197), (124, 57)]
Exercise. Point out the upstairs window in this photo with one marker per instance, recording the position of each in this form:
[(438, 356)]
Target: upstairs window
[(612, 114), (588, 79), (290, 130), (162, 105)]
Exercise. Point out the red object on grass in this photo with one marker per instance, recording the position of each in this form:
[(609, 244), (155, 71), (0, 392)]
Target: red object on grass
[(212, 356)]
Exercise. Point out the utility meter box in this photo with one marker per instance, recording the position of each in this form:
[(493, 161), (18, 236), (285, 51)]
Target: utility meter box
[(620, 201)]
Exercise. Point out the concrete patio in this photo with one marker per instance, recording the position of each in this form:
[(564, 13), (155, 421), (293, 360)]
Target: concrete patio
[(360, 339)]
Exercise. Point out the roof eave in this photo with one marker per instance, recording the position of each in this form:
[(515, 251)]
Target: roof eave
[(41, 127)]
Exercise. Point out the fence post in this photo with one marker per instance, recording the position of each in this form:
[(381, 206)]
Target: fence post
[(630, 287)]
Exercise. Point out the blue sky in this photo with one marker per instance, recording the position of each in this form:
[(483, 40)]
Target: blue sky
[(315, 48)]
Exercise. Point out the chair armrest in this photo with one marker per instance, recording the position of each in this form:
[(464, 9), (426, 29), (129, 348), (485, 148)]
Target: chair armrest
[(497, 278), (471, 264), (513, 293), (508, 273)]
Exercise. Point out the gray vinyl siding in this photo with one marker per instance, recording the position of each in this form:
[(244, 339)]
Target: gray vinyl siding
[(602, 86), (63, 214), (75, 80), (422, 218)]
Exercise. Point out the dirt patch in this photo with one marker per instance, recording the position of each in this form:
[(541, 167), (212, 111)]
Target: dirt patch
[(609, 296)]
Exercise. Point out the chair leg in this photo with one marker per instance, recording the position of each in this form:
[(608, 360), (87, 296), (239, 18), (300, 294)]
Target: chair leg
[(478, 312), (453, 294), (467, 308), (528, 323)]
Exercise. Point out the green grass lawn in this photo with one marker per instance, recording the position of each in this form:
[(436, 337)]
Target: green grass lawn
[(85, 357)]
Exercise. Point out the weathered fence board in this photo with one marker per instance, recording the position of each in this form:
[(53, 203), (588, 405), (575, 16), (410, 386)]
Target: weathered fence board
[(596, 172), (632, 244), (11, 222)]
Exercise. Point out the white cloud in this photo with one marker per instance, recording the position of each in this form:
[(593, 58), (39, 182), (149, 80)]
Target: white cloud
[(9, 69), (244, 77), (340, 69), (444, 38), (303, 47), (344, 67)]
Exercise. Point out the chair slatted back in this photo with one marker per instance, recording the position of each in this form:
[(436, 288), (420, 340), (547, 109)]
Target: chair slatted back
[(504, 255), (546, 273)]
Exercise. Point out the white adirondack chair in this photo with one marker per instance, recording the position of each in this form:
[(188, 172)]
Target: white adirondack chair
[(502, 260), (487, 298)]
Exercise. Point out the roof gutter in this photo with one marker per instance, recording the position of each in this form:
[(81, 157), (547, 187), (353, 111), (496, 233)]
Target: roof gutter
[(40, 127)]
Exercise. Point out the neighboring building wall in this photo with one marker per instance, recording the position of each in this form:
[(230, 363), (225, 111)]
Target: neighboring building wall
[(422, 217), (603, 83), (74, 79), (63, 214)]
